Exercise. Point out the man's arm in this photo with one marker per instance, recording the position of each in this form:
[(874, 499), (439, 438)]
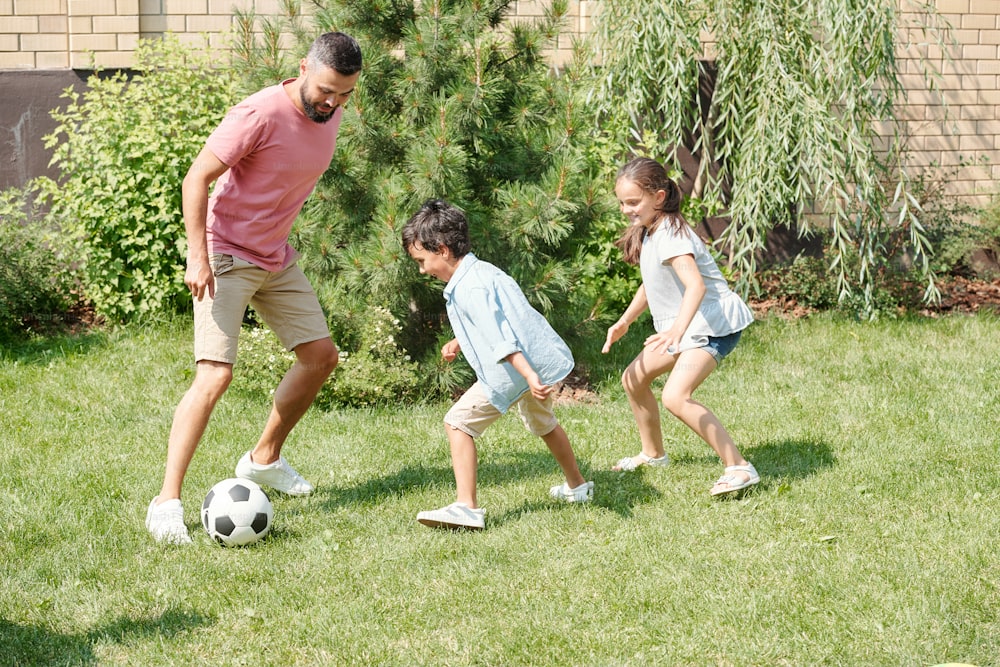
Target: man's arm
[(205, 169)]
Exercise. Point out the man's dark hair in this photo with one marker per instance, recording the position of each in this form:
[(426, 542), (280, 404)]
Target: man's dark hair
[(337, 51), (437, 224)]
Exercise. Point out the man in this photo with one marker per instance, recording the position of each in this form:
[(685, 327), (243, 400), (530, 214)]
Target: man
[(265, 157)]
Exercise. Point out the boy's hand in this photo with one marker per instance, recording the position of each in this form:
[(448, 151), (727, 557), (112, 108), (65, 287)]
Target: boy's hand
[(521, 365), (538, 390), (450, 350)]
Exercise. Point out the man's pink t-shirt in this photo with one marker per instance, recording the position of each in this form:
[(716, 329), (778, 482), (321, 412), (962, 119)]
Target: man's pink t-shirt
[(275, 156)]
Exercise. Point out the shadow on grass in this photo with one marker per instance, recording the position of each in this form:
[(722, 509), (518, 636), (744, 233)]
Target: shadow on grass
[(617, 492), (622, 492), (790, 460), (376, 489), (41, 351), (34, 645)]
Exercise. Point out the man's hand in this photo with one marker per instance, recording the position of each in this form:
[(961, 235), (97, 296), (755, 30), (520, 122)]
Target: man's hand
[(199, 278)]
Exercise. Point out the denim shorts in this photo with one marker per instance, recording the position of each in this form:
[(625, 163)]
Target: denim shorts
[(720, 346)]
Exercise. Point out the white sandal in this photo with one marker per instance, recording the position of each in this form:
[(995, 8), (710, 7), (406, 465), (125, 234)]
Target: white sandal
[(733, 482), (629, 463)]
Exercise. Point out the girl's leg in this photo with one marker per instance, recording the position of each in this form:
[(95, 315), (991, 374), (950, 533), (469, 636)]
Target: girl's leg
[(637, 380), (691, 369), (558, 443), (464, 462)]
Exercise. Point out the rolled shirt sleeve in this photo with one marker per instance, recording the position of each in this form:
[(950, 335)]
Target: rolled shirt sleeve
[(492, 319)]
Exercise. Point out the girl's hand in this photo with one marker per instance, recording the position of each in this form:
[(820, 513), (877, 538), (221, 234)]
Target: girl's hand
[(667, 342), (450, 350), (615, 331)]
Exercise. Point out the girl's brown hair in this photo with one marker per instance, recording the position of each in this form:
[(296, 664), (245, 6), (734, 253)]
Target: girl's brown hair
[(651, 177)]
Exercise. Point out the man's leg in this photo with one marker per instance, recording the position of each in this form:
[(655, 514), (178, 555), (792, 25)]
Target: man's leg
[(165, 514), (295, 393), (211, 380)]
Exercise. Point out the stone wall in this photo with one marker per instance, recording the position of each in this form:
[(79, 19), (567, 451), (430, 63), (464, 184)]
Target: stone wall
[(954, 133)]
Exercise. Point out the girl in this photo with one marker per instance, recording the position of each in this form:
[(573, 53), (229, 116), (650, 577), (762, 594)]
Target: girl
[(697, 318)]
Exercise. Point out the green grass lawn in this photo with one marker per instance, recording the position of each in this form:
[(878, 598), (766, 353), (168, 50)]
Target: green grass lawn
[(872, 539)]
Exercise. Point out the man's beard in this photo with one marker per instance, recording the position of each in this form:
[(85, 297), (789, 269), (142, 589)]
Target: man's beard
[(311, 112)]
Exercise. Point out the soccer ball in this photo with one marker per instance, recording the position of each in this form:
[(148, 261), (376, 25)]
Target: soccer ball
[(236, 512)]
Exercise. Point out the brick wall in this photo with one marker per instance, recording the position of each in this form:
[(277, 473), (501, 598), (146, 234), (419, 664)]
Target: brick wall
[(53, 34), (956, 131)]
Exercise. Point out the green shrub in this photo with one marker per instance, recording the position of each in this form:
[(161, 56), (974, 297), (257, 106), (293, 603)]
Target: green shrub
[(35, 289), (122, 149), (807, 281), (261, 362), (373, 369), (948, 221), (989, 228)]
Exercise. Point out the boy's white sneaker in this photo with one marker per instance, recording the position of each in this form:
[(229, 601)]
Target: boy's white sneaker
[(581, 494), (278, 475), (165, 522), (456, 515)]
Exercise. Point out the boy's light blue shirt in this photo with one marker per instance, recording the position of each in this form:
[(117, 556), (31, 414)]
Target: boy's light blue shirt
[(492, 319)]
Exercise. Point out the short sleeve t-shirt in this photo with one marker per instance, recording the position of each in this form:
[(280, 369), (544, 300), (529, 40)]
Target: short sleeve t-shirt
[(721, 312), (275, 156)]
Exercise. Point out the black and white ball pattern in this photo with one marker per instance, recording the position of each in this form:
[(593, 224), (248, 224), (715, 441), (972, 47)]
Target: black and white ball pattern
[(236, 512)]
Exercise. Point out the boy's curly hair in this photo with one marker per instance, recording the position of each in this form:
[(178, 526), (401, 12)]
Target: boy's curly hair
[(438, 224)]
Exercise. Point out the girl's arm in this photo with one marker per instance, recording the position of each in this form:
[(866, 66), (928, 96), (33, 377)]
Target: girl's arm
[(634, 310), (694, 291), (521, 365)]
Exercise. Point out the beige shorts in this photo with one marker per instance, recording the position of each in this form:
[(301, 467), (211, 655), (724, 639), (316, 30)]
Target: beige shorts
[(473, 412), (285, 301)]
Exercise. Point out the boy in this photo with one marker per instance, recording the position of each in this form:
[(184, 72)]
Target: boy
[(516, 355)]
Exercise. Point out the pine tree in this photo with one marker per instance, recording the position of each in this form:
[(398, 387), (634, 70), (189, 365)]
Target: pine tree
[(458, 101)]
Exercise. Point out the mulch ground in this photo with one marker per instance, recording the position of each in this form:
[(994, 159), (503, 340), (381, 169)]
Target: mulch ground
[(958, 295), (961, 295)]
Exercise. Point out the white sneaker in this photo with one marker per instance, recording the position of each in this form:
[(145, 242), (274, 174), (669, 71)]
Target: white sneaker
[(456, 515), (581, 494), (278, 475), (165, 522)]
